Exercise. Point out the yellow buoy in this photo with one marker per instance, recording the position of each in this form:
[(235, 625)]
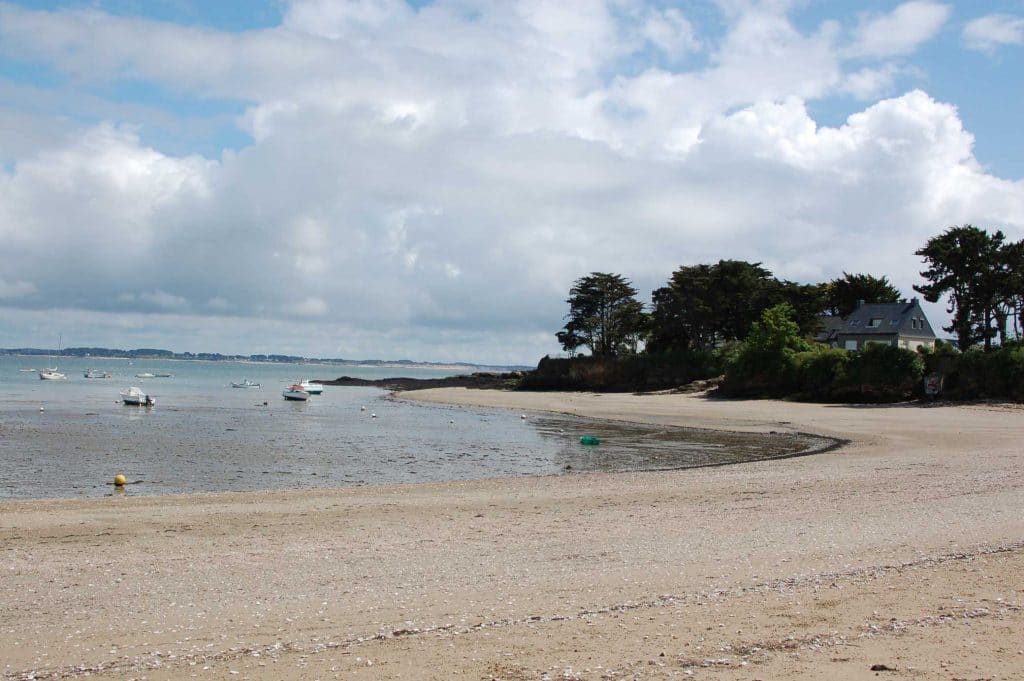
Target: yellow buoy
[(119, 480)]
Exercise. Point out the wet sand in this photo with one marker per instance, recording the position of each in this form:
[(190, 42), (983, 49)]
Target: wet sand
[(904, 548)]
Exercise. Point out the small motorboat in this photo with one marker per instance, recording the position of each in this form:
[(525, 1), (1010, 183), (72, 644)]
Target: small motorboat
[(246, 383), (163, 375), (136, 398), (295, 392), (51, 375), (145, 375), (96, 373), (311, 388)]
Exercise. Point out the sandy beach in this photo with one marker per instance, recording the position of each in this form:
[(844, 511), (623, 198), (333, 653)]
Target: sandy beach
[(902, 550)]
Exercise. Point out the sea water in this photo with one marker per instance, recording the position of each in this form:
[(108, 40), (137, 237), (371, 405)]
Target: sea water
[(69, 438)]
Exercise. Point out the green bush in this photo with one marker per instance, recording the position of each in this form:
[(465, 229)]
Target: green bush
[(643, 372), (820, 372), (765, 363), (882, 373), (760, 373), (975, 374), (879, 373)]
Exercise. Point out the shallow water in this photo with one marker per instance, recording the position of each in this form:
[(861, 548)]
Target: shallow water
[(204, 435)]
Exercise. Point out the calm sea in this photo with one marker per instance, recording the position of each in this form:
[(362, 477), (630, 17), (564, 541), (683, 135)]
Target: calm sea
[(69, 438)]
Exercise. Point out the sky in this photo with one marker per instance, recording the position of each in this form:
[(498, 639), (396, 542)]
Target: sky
[(425, 180)]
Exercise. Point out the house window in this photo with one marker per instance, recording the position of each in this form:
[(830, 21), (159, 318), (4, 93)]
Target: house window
[(850, 345), (875, 322), (854, 322), (894, 322)]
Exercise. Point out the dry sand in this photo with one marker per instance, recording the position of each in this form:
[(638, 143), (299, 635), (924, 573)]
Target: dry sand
[(904, 548)]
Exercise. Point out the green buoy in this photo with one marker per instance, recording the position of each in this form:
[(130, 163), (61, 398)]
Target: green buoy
[(590, 440)]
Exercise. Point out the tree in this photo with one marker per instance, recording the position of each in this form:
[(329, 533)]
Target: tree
[(969, 265), (707, 304), (704, 305), (807, 301), (843, 294), (604, 316), (776, 331), (1010, 306), (668, 329)]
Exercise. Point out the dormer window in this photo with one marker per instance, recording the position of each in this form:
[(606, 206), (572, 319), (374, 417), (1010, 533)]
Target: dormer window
[(875, 322), (854, 322), (894, 322)]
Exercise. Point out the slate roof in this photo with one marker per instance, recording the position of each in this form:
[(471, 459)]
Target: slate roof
[(894, 318)]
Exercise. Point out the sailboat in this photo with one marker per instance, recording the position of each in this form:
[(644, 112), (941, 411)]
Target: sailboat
[(53, 374)]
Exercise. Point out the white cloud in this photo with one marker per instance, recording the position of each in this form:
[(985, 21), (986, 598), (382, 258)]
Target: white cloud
[(990, 32), (671, 32), (219, 304), (337, 19), (16, 289), (870, 83), (310, 307), (162, 299), (901, 31)]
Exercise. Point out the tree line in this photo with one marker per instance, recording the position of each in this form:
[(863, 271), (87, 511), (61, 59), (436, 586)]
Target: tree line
[(705, 306)]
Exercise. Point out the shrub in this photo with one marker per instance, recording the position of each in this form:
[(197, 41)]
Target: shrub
[(765, 364), (820, 372), (975, 374), (617, 374), (882, 373)]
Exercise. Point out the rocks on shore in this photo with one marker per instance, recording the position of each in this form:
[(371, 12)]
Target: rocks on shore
[(482, 380)]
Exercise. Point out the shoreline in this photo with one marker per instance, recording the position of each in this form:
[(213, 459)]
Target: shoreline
[(902, 547)]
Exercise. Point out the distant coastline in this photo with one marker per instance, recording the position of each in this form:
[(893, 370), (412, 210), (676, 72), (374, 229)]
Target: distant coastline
[(154, 353)]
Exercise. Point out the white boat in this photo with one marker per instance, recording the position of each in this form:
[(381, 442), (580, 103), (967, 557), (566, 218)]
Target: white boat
[(295, 392), (163, 375), (311, 388), (53, 374), (246, 383), (96, 373), (136, 398), (145, 375)]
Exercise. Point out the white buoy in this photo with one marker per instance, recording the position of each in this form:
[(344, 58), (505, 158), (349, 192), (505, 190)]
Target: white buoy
[(41, 409), (363, 408), (373, 416), (523, 416)]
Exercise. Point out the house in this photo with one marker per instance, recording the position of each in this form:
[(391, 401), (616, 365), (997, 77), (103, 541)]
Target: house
[(902, 325)]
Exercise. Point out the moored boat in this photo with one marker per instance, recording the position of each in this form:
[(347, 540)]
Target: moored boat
[(145, 375), (96, 373), (295, 392), (311, 388), (246, 383), (51, 374), (136, 398)]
